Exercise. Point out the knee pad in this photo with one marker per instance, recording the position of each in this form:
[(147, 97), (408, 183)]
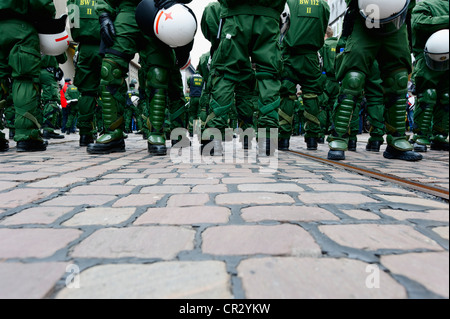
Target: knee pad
[(353, 83), (158, 78), (429, 97), (112, 73), (397, 82), (444, 99)]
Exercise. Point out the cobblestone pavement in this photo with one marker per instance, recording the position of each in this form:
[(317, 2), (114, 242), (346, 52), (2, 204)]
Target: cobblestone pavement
[(128, 225)]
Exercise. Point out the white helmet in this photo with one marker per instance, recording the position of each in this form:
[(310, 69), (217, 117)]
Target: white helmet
[(53, 36), (384, 16), (437, 51), (175, 26), (135, 100)]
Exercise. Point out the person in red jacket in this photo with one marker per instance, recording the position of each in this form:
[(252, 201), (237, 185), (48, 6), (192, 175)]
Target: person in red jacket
[(65, 110)]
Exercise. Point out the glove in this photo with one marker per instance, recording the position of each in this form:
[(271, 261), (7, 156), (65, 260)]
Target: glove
[(164, 3), (107, 30)]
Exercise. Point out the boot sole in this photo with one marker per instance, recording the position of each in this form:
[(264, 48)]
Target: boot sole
[(336, 155), (157, 150), (102, 152), (118, 148), (409, 156)]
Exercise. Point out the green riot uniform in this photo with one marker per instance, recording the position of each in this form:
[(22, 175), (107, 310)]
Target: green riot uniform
[(431, 114), (373, 90), (20, 60), (50, 96), (177, 104), (203, 69), (195, 84), (85, 30), (353, 65), (309, 21), (331, 89), (127, 41), (250, 29), (243, 105), (73, 97), (143, 98)]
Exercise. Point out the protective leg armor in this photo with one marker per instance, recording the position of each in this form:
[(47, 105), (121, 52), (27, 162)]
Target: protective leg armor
[(157, 83), (352, 87)]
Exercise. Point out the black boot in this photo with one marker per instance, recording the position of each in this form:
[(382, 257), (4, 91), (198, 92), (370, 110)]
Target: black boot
[(439, 146), (51, 134), (115, 146), (311, 143), (283, 144), (247, 144), (31, 146), (352, 145), (158, 150), (336, 155), (393, 153), (421, 148), (373, 146), (86, 139), (265, 147), (4, 145), (211, 148)]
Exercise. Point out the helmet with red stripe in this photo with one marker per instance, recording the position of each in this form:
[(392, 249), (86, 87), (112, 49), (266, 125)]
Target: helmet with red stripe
[(53, 36), (176, 25)]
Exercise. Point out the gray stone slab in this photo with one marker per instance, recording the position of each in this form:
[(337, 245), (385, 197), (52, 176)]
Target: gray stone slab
[(135, 200), (185, 215), (29, 281), (429, 269), (22, 196), (373, 237), (442, 231), (187, 200), (286, 213), (76, 200), (38, 243), (163, 242), (314, 278), (163, 280), (36, 215), (399, 214), (253, 198), (275, 187), (101, 216), (251, 240), (415, 201), (104, 190)]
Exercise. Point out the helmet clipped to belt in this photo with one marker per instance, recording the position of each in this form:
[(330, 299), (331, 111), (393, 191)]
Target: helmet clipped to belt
[(384, 16), (176, 25), (53, 36), (437, 51)]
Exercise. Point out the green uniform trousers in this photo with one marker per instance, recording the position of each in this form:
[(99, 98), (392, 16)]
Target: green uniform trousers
[(244, 37), (50, 99), (20, 60), (427, 79), (87, 80), (373, 90), (303, 69), (130, 40)]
